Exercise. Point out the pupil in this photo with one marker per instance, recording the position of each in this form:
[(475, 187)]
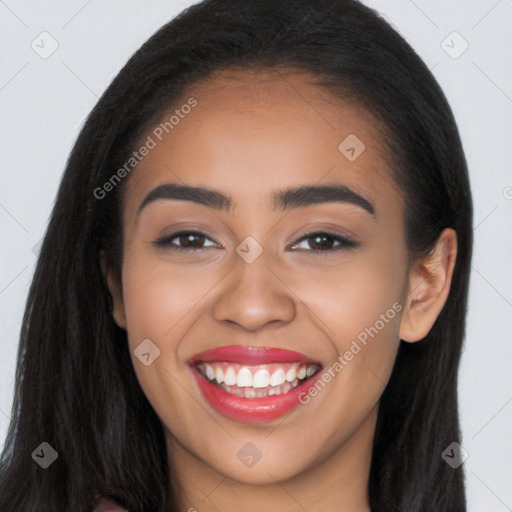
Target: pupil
[(188, 240), (321, 245)]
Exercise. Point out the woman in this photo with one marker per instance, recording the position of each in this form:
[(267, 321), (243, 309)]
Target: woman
[(252, 290)]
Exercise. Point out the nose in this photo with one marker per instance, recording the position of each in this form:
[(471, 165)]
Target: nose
[(254, 296)]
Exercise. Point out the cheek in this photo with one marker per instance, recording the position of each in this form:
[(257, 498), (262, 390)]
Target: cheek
[(158, 296), (360, 293), (358, 307), (159, 305), (360, 312)]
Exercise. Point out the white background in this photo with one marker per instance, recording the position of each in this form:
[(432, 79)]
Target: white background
[(43, 103)]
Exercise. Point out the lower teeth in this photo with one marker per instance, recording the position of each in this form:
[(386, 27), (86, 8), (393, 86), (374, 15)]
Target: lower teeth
[(250, 392)]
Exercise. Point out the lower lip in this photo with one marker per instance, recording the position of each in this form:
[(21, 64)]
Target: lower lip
[(254, 410)]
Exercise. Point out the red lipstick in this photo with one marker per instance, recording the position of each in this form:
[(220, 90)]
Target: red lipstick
[(253, 384)]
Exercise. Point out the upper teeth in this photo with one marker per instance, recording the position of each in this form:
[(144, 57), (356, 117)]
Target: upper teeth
[(260, 376)]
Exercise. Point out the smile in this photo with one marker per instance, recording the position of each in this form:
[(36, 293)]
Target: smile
[(253, 384), (257, 381)]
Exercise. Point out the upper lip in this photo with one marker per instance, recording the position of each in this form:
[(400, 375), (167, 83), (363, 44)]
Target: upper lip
[(251, 355)]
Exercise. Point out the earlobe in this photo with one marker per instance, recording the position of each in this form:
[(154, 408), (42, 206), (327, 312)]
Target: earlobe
[(428, 287), (116, 295)]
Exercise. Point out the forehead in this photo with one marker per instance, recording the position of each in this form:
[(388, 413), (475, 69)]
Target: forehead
[(254, 132)]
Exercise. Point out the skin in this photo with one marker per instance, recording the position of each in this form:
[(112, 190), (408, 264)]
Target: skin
[(250, 134)]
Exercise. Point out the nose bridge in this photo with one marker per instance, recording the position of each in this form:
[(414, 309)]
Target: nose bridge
[(253, 295)]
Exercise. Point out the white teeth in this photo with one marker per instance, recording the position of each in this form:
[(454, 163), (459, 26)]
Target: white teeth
[(277, 378), (219, 375), (253, 392), (244, 379), (209, 372), (261, 379), (240, 380), (291, 374), (310, 371), (249, 392), (230, 378)]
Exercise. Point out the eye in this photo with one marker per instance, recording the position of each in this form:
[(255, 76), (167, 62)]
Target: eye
[(319, 241), (189, 240), (324, 241)]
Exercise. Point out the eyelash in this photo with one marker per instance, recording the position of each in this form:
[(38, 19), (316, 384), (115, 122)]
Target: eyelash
[(345, 243)]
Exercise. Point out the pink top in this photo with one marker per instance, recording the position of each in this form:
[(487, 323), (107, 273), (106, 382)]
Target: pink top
[(106, 505)]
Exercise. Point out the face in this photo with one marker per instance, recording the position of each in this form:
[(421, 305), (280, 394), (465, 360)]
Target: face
[(290, 286)]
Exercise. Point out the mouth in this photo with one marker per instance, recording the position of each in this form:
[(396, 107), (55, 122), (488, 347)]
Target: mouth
[(253, 384)]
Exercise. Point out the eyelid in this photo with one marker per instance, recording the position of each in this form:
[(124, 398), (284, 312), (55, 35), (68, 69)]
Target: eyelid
[(164, 241), (344, 241)]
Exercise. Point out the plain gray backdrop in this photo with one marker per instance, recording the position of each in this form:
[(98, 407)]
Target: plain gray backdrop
[(57, 57)]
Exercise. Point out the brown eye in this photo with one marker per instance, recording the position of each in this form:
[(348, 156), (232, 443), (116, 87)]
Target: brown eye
[(191, 240), (184, 240), (322, 241)]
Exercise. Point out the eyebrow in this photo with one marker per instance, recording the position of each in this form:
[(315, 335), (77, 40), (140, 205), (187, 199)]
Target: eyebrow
[(282, 199)]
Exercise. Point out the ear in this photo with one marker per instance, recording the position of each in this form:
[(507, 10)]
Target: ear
[(428, 287), (115, 290)]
